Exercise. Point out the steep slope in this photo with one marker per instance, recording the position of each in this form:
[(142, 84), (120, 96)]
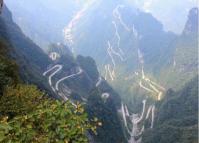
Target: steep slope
[(121, 24), (177, 117), (78, 79), (136, 56), (112, 30), (131, 41), (141, 62), (184, 62), (8, 68), (123, 45), (29, 57), (46, 120), (67, 78)]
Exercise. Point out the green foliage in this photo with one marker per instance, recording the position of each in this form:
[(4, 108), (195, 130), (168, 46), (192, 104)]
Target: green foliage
[(37, 119), (27, 115), (20, 100), (8, 69), (8, 74)]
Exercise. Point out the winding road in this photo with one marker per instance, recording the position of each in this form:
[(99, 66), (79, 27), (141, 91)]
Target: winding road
[(117, 14), (135, 131), (110, 50), (142, 115), (67, 77), (56, 89), (58, 68), (98, 82)]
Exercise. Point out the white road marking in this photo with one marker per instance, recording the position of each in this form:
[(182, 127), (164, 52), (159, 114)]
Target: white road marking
[(142, 115), (117, 14), (99, 81), (58, 68), (70, 76)]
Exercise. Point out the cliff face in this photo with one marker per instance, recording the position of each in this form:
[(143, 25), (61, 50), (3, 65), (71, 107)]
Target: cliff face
[(192, 23), (1, 5), (30, 58)]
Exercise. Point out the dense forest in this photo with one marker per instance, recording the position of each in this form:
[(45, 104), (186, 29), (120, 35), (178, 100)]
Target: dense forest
[(177, 116)]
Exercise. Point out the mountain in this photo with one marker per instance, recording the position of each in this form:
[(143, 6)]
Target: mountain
[(176, 114), (44, 29), (113, 43), (177, 117), (137, 57), (191, 26), (79, 80), (130, 40), (168, 12), (183, 65), (30, 58), (64, 77), (122, 44)]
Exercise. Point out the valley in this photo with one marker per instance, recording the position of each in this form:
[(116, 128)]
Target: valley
[(150, 87), (119, 63)]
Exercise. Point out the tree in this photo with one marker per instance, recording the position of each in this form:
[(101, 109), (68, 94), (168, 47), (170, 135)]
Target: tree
[(8, 69), (37, 119)]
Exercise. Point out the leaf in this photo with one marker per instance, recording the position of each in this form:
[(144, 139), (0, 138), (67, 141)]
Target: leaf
[(2, 136)]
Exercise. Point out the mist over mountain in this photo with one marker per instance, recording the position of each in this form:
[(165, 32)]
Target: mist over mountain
[(44, 29), (168, 12), (191, 26), (117, 64), (47, 29)]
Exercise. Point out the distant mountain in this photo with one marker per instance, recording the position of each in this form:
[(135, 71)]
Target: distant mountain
[(177, 119), (191, 26), (168, 12), (136, 29), (123, 40), (128, 40), (135, 55), (46, 19), (184, 62)]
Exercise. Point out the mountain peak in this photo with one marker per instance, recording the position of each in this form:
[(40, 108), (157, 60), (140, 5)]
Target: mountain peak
[(191, 25)]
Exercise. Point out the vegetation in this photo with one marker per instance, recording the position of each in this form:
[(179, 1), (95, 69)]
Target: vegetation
[(32, 61), (106, 112), (177, 117), (51, 121), (27, 115), (8, 69), (89, 65)]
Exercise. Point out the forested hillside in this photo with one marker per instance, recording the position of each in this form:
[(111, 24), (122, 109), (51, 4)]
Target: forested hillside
[(177, 117)]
